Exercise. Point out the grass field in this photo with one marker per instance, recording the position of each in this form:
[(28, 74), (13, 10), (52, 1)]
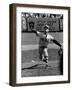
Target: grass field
[(30, 52)]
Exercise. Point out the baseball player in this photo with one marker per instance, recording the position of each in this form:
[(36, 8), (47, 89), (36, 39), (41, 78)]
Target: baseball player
[(44, 40)]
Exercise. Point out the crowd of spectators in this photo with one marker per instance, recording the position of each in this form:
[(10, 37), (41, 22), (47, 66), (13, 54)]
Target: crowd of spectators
[(40, 15)]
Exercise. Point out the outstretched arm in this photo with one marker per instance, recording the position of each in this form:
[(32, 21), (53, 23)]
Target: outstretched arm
[(56, 42), (41, 35), (49, 37), (33, 30)]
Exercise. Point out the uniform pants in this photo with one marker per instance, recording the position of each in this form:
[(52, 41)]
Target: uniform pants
[(43, 53)]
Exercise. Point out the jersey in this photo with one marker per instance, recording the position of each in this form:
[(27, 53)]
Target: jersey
[(44, 39)]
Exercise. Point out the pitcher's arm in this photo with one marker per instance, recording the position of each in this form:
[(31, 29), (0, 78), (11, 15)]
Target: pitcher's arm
[(41, 35), (50, 37), (56, 42)]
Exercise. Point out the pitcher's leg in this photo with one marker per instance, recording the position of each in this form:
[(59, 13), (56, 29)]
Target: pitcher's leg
[(46, 55), (41, 53)]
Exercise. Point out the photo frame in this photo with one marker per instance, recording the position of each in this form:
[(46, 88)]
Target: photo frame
[(34, 60)]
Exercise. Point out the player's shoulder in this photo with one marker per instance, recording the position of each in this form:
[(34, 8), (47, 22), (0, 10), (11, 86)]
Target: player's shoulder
[(50, 36)]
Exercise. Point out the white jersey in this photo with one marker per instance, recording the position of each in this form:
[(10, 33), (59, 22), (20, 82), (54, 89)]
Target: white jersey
[(49, 36), (44, 39)]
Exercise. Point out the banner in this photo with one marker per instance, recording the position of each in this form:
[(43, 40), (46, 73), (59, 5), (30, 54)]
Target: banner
[(38, 24)]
